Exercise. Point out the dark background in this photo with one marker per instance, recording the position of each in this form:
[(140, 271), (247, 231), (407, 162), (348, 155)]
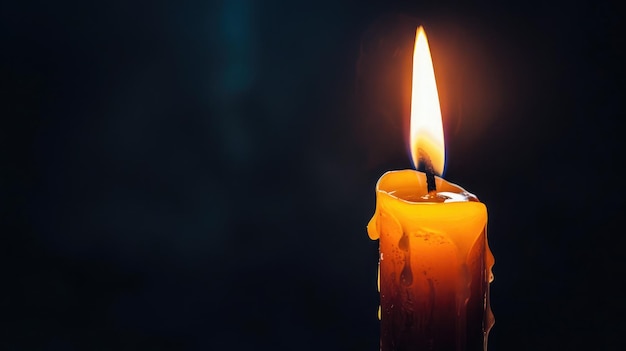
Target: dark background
[(198, 175)]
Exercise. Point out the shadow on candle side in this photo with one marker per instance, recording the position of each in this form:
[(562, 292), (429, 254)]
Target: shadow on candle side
[(434, 268)]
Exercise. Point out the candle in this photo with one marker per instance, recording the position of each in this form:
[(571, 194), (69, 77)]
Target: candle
[(435, 263)]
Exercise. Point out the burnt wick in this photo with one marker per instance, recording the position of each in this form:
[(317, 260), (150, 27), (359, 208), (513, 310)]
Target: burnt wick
[(427, 165)]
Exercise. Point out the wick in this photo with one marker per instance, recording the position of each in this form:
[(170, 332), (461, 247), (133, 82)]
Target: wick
[(427, 164)]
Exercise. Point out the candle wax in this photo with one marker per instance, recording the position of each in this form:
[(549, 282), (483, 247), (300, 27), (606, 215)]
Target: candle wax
[(434, 265)]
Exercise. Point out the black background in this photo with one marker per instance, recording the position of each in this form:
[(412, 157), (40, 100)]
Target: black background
[(198, 175)]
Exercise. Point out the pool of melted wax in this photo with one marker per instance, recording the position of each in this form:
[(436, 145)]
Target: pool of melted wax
[(438, 197)]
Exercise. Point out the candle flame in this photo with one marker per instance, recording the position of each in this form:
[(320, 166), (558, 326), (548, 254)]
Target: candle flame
[(426, 138)]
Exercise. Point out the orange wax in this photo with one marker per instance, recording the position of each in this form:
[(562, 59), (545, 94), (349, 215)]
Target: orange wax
[(434, 266)]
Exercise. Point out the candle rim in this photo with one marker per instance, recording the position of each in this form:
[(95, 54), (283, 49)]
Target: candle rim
[(442, 186)]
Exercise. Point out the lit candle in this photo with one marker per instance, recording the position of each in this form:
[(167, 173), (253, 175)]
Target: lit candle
[(435, 262)]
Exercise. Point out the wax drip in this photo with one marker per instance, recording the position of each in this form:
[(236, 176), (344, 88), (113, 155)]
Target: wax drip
[(462, 297), (406, 276)]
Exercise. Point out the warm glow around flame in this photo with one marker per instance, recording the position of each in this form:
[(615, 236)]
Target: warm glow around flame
[(426, 125)]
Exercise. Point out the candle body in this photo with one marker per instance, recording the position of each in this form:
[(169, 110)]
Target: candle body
[(434, 267)]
